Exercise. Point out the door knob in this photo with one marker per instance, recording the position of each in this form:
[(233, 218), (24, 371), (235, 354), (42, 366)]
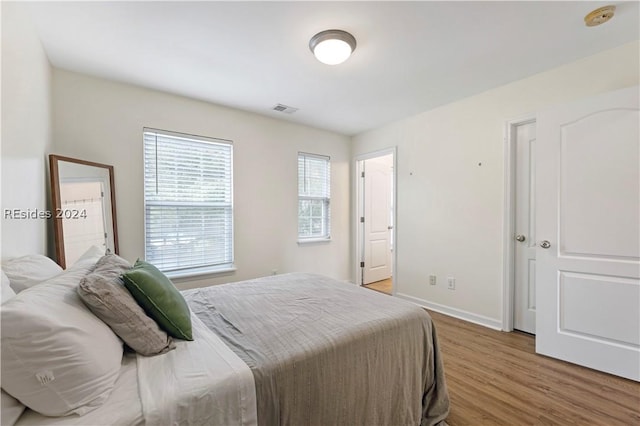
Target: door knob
[(545, 244), (389, 227), (520, 238)]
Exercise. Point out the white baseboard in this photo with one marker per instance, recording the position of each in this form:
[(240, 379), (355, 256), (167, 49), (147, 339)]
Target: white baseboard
[(453, 312)]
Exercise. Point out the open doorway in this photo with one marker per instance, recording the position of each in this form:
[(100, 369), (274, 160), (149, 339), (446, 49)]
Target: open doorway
[(375, 221)]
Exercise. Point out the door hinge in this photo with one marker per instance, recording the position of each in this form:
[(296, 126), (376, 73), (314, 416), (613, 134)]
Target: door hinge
[(362, 174), (362, 264), (362, 219)]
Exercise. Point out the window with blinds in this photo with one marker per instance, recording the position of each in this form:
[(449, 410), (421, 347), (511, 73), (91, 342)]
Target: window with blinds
[(188, 202), (314, 182)]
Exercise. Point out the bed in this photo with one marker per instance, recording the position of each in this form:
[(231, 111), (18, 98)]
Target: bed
[(293, 349)]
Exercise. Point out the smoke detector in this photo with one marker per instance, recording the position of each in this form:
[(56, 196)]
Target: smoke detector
[(599, 16), (284, 108)]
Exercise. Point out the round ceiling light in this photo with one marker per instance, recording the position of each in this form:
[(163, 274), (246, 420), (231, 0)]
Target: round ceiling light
[(332, 47)]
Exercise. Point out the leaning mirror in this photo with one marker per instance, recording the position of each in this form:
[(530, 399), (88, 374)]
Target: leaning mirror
[(84, 207)]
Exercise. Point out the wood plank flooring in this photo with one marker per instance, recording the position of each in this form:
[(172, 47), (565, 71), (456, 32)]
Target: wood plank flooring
[(383, 286), (495, 378)]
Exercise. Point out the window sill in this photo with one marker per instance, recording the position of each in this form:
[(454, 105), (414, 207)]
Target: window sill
[(314, 240), (200, 272)]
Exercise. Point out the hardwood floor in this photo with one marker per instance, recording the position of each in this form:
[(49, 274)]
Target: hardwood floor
[(383, 286), (495, 378)]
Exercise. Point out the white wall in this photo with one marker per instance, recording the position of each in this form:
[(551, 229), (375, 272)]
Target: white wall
[(26, 132), (450, 209), (102, 121)]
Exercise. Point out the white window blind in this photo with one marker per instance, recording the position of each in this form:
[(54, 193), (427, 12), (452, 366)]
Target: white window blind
[(188, 201), (314, 183)]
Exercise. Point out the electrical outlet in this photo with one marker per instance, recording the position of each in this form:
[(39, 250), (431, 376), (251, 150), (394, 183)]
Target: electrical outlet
[(432, 280), (451, 283)]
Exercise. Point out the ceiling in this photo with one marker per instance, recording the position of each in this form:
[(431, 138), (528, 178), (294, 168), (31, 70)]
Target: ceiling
[(411, 56)]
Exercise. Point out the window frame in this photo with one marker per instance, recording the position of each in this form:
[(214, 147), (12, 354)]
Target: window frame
[(191, 271), (326, 199)]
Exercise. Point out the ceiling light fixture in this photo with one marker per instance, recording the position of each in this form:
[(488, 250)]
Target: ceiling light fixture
[(332, 47), (599, 16)]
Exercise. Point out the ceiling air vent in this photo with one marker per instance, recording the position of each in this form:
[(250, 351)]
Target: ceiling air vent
[(284, 108)]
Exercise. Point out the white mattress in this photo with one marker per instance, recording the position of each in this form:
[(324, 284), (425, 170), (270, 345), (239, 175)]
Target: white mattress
[(122, 408)]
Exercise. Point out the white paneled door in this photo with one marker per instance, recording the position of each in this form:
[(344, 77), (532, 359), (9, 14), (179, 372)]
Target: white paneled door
[(377, 219), (588, 233), (524, 317)]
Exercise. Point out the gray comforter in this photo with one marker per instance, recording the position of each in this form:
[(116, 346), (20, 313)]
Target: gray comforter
[(324, 352)]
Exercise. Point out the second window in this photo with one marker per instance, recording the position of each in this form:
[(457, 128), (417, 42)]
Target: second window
[(314, 184)]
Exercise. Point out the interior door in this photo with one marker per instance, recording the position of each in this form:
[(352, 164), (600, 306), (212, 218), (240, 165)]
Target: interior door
[(377, 219), (588, 230), (524, 318)]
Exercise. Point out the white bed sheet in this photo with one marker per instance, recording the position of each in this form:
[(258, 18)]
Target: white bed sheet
[(202, 382), (121, 408)]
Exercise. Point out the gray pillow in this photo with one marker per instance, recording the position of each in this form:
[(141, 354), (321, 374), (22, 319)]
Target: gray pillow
[(106, 296)]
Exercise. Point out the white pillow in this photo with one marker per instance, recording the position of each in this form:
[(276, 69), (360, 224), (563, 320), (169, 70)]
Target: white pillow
[(93, 254), (57, 358), (11, 410), (29, 270), (7, 291)]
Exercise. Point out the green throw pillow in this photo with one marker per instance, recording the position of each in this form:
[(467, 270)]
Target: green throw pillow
[(160, 299)]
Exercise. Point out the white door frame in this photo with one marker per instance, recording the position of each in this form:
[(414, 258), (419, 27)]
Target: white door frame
[(358, 204), (508, 272)]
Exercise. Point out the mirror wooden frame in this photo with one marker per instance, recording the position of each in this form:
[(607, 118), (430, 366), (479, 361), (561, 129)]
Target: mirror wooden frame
[(54, 171)]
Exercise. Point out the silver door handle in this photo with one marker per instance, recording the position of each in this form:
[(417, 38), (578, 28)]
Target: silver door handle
[(545, 244), (520, 238)]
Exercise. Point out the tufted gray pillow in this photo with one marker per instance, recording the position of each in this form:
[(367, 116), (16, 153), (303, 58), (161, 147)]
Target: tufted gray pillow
[(106, 296)]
